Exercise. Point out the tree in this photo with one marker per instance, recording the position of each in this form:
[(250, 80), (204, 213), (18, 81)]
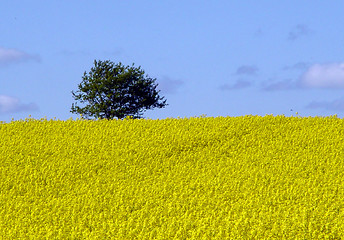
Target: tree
[(114, 90)]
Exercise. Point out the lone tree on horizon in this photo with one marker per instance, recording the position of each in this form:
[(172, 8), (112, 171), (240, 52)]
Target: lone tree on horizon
[(114, 90)]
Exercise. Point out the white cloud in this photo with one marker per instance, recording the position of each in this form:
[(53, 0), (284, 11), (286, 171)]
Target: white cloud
[(299, 31), (336, 105), (168, 86), (316, 76), (259, 32), (11, 105), (297, 66), (8, 55), (324, 76), (238, 85), (246, 70), (286, 84)]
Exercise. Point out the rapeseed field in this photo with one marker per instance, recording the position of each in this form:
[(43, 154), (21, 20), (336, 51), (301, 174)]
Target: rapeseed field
[(248, 177)]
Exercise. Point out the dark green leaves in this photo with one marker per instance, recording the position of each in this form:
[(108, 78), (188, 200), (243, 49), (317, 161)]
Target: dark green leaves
[(114, 90)]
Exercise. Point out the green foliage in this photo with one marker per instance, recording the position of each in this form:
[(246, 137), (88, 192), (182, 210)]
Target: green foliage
[(114, 90)]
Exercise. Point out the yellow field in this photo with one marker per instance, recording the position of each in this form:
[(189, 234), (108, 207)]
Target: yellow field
[(246, 177)]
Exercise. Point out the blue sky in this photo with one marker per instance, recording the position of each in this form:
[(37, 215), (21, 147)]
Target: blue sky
[(219, 58)]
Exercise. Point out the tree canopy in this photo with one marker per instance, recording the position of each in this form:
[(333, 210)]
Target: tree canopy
[(114, 90)]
